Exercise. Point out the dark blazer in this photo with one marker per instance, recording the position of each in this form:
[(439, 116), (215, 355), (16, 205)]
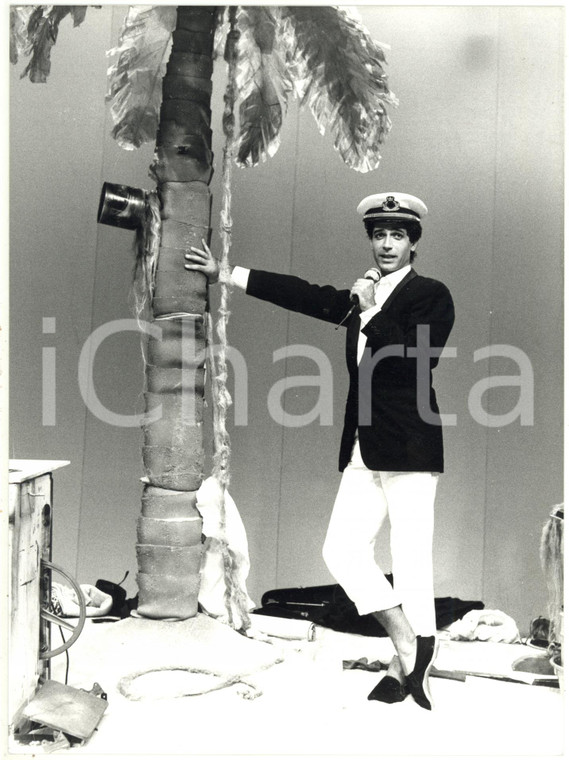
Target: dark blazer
[(391, 400)]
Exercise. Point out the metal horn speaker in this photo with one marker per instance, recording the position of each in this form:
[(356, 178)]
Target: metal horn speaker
[(122, 206)]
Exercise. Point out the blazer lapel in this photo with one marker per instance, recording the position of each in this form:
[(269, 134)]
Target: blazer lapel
[(352, 341), (409, 276), (354, 324), (376, 319)]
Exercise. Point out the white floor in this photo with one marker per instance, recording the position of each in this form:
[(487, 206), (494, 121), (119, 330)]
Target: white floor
[(308, 705)]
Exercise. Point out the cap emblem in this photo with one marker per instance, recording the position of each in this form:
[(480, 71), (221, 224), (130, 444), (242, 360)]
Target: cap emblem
[(390, 204)]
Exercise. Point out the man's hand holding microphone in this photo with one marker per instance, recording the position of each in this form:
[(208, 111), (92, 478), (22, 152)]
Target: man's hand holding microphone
[(362, 293), (363, 289)]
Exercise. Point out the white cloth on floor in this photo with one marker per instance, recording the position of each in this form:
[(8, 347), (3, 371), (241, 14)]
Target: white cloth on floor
[(229, 541), (485, 625)]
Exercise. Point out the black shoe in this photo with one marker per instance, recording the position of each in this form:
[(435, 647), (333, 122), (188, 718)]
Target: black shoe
[(418, 679), (389, 690)]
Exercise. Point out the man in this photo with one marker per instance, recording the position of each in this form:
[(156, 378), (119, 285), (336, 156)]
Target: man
[(391, 451)]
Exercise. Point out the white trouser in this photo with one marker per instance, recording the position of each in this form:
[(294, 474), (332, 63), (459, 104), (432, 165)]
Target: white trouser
[(365, 498)]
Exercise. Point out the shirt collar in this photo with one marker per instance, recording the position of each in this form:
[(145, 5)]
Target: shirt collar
[(394, 278)]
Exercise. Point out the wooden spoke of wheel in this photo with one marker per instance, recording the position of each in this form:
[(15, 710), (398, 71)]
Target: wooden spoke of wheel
[(50, 617)]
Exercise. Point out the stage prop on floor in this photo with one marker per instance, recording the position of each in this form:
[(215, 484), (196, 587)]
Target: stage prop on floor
[(160, 88), (552, 562), (331, 607)]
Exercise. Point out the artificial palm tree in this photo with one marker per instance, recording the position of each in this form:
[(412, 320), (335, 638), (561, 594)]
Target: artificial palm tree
[(160, 89)]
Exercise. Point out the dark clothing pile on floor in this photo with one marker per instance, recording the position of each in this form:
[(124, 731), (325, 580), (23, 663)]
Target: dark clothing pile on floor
[(329, 606)]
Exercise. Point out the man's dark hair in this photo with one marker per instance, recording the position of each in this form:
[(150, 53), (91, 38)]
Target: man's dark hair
[(413, 229)]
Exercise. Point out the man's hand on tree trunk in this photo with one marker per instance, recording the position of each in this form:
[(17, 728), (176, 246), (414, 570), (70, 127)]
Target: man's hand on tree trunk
[(203, 261)]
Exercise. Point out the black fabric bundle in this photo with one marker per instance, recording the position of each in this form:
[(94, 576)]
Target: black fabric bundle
[(329, 606)]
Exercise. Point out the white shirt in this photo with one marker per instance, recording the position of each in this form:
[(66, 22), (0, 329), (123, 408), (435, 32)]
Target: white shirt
[(383, 289), (239, 277)]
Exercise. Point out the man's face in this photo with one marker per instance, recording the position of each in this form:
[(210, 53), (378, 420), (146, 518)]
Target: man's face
[(391, 247)]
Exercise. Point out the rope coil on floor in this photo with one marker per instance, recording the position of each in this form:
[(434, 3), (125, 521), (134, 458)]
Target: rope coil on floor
[(178, 681)]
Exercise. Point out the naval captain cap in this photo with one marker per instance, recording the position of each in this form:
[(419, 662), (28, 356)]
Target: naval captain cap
[(392, 207)]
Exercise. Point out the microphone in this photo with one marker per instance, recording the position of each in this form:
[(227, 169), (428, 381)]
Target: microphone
[(372, 274)]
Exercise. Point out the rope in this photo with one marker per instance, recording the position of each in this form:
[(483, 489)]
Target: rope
[(217, 359), (222, 451), (129, 689)]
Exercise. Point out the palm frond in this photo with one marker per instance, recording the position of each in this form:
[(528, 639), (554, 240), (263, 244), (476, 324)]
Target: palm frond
[(33, 32), (135, 80), (19, 41), (340, 75), (263, 81)]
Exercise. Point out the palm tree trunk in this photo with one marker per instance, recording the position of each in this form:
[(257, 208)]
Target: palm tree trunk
[(169, 544)]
